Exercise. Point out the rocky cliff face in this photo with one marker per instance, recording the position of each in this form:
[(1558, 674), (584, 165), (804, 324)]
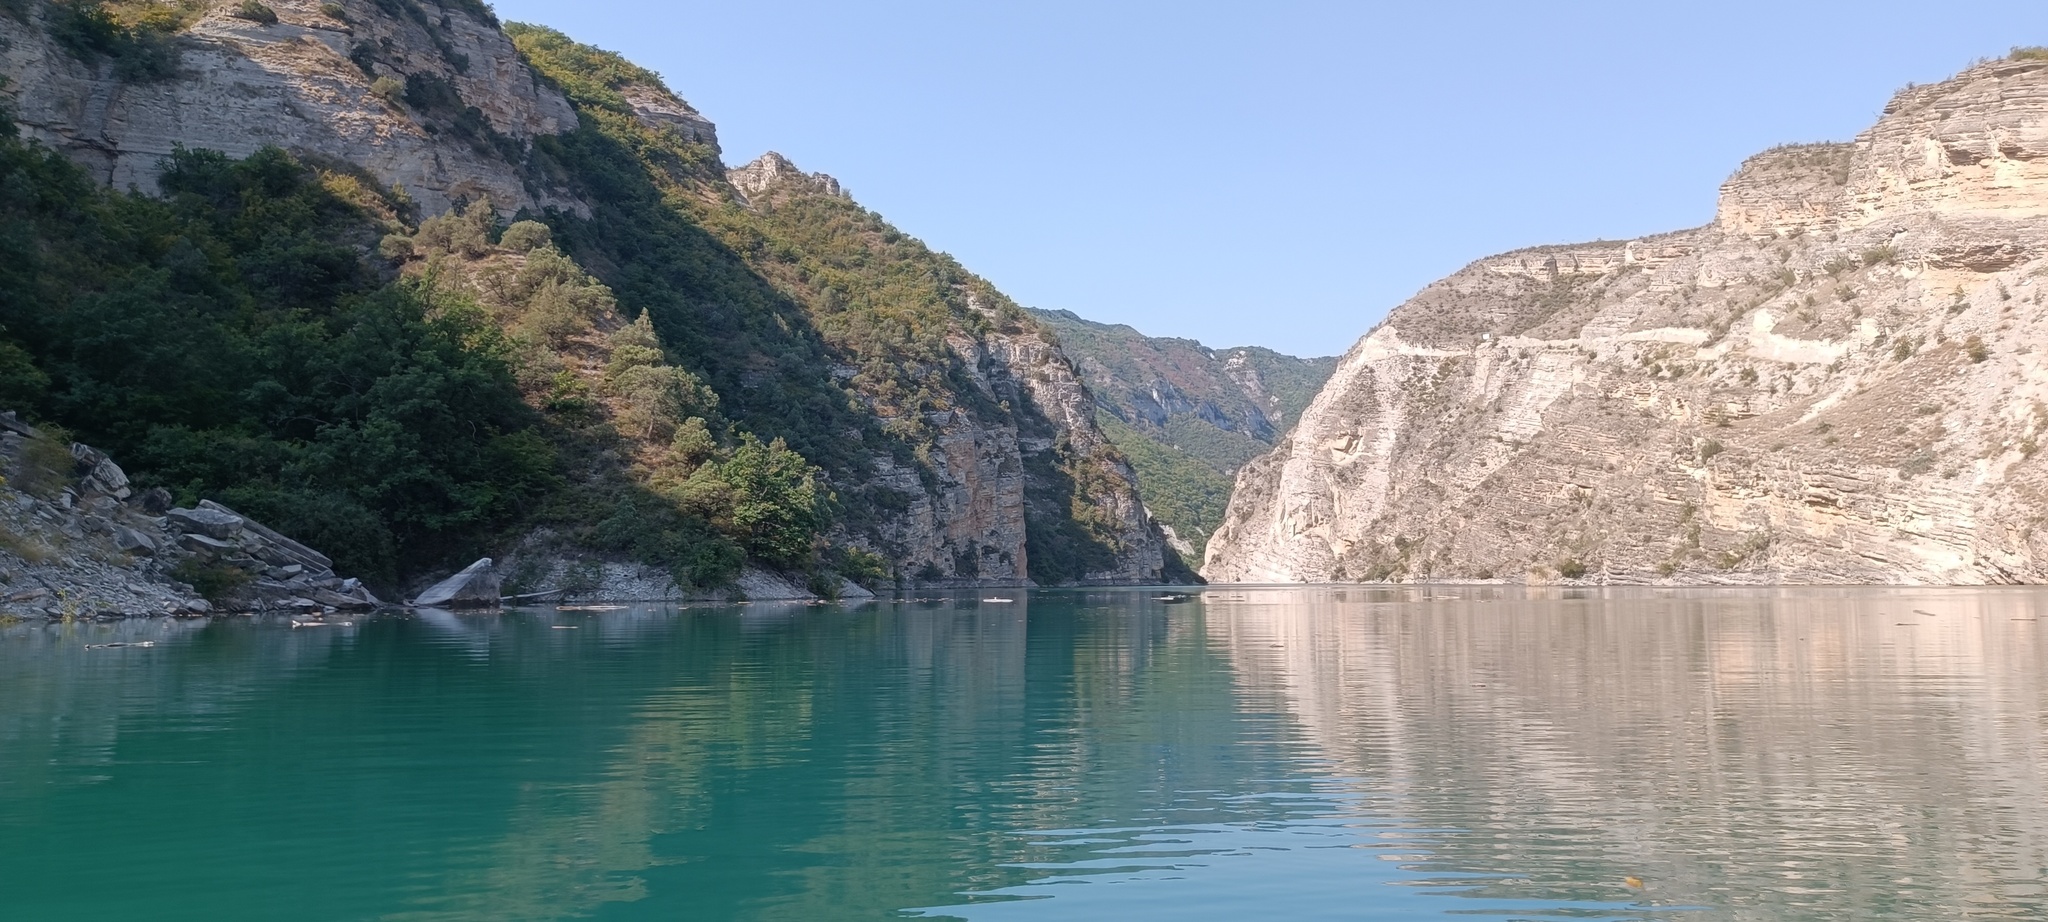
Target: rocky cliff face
[(1011, 458), (1840, 380), (428, 98)]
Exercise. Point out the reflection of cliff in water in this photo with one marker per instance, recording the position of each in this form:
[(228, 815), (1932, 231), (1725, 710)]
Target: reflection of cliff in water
[(1777, 753)]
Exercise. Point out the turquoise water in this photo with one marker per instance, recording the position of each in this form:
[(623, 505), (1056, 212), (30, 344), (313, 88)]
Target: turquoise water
[(1299, 754)]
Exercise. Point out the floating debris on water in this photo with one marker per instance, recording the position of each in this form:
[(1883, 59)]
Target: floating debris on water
[(117, 646)]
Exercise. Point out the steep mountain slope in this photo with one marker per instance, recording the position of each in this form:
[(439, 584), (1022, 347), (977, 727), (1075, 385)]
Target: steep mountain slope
[(720, 367), (1840, 379), (1187, 416)]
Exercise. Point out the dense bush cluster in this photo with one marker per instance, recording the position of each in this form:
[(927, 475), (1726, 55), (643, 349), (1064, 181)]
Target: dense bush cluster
[(695, 494), (230, 340)]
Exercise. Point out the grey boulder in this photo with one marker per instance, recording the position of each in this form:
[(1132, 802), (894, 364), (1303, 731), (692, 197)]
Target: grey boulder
[(212, 523), (475, 587), (133, 542)]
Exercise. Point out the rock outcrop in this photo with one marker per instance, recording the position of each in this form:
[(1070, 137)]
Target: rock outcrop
[(772, 169), (76, 541), (990, 475), (435, 101), (1841, 379)]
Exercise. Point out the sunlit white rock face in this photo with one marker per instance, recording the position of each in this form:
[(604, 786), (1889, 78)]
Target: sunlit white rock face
[(1840, 379)]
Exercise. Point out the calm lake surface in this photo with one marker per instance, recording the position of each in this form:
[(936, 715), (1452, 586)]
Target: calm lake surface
[(1300, 754)]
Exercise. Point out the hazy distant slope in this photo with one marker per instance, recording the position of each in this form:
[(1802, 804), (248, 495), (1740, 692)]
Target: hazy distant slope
[(1187, 416)]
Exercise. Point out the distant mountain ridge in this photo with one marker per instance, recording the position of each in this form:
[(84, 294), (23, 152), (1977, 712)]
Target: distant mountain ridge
[(1188, 416)]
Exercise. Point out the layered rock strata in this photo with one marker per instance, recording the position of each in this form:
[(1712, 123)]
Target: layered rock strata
[(436, 102), (1841, 379)]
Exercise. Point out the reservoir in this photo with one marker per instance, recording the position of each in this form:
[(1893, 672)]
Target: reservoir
[(1359, 753)]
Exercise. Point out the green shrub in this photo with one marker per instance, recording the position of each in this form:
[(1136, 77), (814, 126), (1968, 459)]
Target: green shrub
[(334, 11), (255, 11), (140, 53), (2028, 53), (214, 582), (388, 88), (45, 466), (1974, 348), (866, 568), (1571, 568), (526, 236)]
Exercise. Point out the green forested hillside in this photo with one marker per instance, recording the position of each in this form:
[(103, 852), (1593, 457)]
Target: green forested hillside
[(231, 340), (669, 372), (816, 320), (240, 339)]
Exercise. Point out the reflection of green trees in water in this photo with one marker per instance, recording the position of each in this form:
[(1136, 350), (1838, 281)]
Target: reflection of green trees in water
[(841, 767), (814, 766)]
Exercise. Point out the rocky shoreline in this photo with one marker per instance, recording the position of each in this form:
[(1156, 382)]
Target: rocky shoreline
[(77, 541)]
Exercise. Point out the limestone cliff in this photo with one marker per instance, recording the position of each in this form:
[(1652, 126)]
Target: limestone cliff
[(1839, 380), (431, 99)]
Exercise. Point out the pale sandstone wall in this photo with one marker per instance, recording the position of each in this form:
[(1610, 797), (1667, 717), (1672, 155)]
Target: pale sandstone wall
[(1841, 380)]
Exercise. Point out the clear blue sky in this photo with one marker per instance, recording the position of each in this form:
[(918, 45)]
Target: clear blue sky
[(1279, 173)]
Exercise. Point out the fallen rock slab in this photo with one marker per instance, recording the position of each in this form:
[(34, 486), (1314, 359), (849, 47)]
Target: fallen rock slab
[(477, 586), (212, 523)]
